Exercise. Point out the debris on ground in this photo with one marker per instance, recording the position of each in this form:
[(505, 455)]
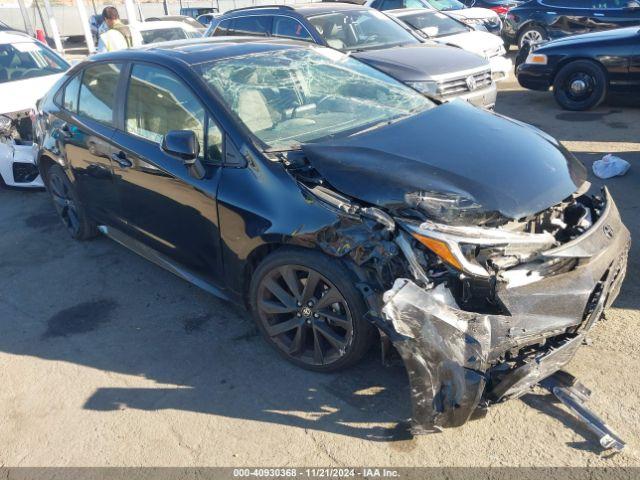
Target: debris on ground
[(610, 166)]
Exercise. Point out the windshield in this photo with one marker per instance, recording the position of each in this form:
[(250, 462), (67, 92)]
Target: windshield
[(446, 4), (435, 24), (24, 60), (164, 35), (288, 97), (360, 30)]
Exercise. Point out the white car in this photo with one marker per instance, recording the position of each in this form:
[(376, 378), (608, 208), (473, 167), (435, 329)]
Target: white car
[(28, 69), (442, 28), (162, 31), (478, 18)]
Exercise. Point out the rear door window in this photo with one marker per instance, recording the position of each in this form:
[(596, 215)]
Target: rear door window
[(255, 25), (288, 27), (98, 92), (70, 95), (222, 29)]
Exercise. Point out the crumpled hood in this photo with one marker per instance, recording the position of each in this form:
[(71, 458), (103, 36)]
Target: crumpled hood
[(501, 165), (421, 61)]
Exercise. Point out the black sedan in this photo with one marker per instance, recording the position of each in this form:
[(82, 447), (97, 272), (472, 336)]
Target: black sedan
[(304, 184), (583, 69), (540, 20)]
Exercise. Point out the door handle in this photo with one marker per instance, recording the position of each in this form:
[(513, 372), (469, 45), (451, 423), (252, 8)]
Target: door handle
[(121, 159), (66, 131)]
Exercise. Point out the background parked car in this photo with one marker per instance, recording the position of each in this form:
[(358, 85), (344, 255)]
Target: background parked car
[(481, 18), (165, 31), (439, 71), (28, 69), (207, 18), (195, 12), (180, 18), (441, 28), (540, 20), (583, 69), (501, 7)]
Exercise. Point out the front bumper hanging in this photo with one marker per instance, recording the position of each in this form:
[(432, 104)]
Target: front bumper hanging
[(455, 359)]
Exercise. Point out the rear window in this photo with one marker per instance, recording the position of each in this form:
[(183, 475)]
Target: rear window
[(163, 35), (24, 60)]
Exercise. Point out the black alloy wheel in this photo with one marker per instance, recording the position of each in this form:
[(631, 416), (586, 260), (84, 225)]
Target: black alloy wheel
[(307, 307), (580, 85), (68, 205)]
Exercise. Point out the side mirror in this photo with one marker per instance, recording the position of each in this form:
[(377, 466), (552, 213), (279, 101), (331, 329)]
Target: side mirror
[(182, 144)]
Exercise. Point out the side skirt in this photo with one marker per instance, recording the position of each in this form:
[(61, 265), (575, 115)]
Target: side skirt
[(161, 260)]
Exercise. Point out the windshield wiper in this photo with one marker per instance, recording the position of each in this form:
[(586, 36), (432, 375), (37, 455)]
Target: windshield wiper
[(389, 121)]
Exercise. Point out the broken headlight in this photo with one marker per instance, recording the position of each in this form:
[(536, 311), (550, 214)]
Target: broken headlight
[(5, 125), (474, 249)]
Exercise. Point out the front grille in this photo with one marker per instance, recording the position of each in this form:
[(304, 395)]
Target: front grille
[(460, 85)]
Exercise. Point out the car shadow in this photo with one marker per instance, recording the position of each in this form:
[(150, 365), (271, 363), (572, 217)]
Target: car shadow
[(105, 308)]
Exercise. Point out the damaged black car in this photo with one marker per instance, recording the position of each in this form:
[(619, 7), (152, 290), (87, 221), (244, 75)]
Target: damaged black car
[(341, 206)]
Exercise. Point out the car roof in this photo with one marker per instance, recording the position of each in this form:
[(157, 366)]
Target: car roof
[(161, 25), (199, 50), (14, 37)]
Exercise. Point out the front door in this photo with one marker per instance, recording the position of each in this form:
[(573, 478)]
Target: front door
[(165, 205)]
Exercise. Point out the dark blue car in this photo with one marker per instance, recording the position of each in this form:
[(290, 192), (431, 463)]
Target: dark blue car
[(540, 20)]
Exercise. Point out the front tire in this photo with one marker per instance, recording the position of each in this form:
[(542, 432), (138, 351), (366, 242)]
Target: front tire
[(580, 85), (307, 307), (532, 35), (65, 199)]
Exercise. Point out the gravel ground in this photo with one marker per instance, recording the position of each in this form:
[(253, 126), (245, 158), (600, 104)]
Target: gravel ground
[(108, 360)]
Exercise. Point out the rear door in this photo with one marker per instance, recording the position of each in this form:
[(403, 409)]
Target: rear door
[(615, 14), (88, 125), (165, 207), (570, 17)]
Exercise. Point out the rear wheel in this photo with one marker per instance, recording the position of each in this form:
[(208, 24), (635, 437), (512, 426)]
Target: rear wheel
[(68, 206), (531, 35), (580, 85), (308, 308)]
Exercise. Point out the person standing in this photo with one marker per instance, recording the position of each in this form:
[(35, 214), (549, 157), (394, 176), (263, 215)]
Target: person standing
[(118, 35)]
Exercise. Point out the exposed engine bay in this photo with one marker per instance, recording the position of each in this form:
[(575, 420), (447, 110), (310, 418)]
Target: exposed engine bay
[(479, 313)]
